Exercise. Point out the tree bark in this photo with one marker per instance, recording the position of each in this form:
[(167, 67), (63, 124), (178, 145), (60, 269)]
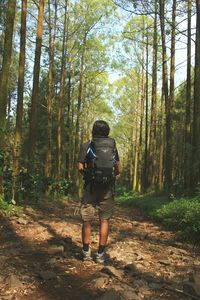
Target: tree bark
[(48, 163), (146, 120), (172, 73), (140, 153), (168, 156), (196, 117), (80, 98), (34, 97), (61, 100), (188, 108), (152, 138), (162, 145), (10, 17), (20, 96)]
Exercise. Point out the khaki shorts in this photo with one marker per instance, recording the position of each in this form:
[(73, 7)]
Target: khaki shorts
[(97, 197)]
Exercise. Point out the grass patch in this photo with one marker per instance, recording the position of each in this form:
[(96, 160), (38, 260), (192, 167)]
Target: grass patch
[(181, 215), (7, 209)]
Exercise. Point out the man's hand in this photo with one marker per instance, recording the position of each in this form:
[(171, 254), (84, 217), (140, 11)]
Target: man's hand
[(80, 167), (118, 168)]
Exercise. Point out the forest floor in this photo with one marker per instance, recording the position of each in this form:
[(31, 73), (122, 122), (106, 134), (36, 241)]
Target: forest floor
[(40, 258)]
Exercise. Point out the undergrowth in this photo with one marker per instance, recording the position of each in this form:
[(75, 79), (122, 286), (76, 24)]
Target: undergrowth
[(7, 209), (181, 215)]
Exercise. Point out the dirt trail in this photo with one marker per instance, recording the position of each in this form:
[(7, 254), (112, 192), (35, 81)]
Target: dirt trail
[(40, 258)]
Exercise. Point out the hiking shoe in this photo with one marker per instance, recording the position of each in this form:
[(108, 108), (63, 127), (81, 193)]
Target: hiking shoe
[(101, 257), (86, 255)]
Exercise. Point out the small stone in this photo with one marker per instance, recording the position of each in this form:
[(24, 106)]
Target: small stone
[(55, 249), (67, 240), (155, 286), (195, 277), (140, 257), (130, 295), (164, 262), (110, 270), (22, 221), (131, 268), (101, 282), (47, 275), (109, 295), (12, 281), (191, 288)]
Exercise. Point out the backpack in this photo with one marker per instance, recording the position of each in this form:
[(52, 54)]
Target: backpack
[(101, 155)]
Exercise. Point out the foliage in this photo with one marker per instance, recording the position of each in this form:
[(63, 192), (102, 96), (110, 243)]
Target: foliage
[(60, 188), (31, 187), (181, 215), (8, 209)]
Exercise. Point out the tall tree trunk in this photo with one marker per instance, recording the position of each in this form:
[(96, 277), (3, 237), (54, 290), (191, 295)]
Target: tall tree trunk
[(140, 154), (131, 158), (147, 106), (188, 108), (48, 163), (80, 99), (196, 118), (172, 73), (135, 169), (68, 122), (168, 156), (61, 100), (162, 145), (152, 138), (34, 98), (10, 17), (20, 94)]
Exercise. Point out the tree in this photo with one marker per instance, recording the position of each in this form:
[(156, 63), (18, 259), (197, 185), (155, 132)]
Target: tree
[(152, 138), (188, 108), (34, 97), (196, 117), (20, 96), (4, 79), (168, 154), (60, 166)]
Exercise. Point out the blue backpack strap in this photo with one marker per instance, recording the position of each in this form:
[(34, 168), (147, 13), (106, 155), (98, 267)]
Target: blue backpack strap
[(91, 151)]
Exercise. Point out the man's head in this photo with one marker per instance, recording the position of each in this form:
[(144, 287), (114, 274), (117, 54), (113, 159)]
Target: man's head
[(100, 128)]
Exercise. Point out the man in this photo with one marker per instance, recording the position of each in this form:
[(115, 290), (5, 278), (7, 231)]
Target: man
[(97, 194)]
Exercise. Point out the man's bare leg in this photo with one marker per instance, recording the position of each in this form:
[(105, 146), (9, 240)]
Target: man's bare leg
[(103, 233), (86, 232)]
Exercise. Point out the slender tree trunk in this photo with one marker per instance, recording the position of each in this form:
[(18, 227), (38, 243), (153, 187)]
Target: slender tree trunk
[(48, 163), (172, 73), (147, 106), (188, 109), (140, 154), (20, 94), (80, 100), (61, 100), (196, 118), (10, 17), (162, 146), (131, 159), (68, 122), (135, 170), (34, 98), (152, 139), (168, 156)]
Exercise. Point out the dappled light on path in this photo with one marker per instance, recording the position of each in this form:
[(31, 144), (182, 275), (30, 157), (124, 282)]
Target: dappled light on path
[(40, 258)]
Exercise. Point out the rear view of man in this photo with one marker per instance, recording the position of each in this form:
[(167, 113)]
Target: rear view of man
[(99, 164)]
